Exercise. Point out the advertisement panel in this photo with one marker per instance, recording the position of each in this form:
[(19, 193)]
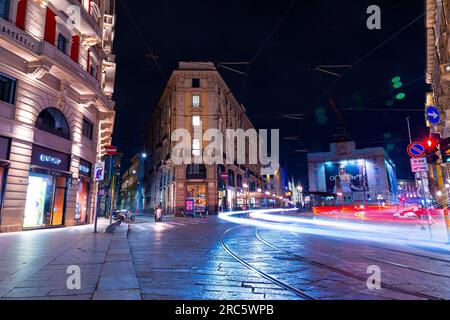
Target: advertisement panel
[(346, 177)]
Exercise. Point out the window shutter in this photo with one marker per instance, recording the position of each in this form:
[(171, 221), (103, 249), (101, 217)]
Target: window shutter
[(50, 27), (21, 14), (75, 50)]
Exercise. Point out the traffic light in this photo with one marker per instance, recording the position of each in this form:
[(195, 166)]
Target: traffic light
[(445, 149), (432, 149)]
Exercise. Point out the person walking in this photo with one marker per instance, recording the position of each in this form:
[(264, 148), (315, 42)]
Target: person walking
[(158, 214)]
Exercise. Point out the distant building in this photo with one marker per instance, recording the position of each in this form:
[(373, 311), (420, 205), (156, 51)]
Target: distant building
[(132, 187), (353, 175), (194, 94), (409, 191)]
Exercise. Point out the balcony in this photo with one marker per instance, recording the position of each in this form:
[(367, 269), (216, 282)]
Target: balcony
[(65, 66)]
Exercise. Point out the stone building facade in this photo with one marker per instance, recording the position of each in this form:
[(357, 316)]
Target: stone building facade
[(197, 93), (57, 75)]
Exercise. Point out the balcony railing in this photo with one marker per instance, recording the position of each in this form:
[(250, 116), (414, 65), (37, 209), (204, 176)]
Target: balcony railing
[(66, 63), (12, 33)]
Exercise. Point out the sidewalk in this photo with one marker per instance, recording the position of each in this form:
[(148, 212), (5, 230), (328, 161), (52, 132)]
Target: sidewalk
[(33, 264)]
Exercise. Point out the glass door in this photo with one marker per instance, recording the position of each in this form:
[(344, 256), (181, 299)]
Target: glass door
[(45, 204)]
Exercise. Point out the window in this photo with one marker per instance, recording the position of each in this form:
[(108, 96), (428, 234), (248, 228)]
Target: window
[(93, 70), (195, 83), (196, 147), (196, 121), (7, 88), (62, 43), (88, 128), (196, 100), (4, 8), (196, 171), (239, 181), (52, 120)]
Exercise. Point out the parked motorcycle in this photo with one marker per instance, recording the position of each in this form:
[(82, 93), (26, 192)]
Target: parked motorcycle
[(123, 215)]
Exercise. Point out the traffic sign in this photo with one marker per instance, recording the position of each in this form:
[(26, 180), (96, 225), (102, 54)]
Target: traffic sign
[(99, 172), (416, 150), (111, 150), (433, 115), (419, 165)]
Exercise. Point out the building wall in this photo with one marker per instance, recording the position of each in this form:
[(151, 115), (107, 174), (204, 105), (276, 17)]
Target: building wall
[(48, 78), (375, 163), (218, 109)]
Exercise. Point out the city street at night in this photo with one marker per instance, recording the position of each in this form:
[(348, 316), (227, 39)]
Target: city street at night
[(210, 258), (224, 159)]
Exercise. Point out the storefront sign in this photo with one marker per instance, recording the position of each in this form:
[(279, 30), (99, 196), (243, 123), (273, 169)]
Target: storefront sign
[(50, 159), (85, 168)]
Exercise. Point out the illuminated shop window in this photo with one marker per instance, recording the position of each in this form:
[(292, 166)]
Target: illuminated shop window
[(196, 121), (196, 101)]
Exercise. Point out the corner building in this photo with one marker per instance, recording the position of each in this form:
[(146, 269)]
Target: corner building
[(197, 93), (57, 74)]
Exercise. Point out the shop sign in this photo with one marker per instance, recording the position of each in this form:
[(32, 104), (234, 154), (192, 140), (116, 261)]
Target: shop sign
[(85, 167), (50, 159)]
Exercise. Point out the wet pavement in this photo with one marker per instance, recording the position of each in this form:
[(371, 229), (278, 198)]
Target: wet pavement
[(185, 258)]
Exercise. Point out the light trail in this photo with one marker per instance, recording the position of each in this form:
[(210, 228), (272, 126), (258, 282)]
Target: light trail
[(346, 230)]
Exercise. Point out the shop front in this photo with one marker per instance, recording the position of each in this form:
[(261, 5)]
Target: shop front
[(84, 187), (47, 188), (196, 201)]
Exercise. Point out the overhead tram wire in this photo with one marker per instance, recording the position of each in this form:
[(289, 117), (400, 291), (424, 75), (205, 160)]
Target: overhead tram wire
[(359, 61), (277, 25), (151, 54)]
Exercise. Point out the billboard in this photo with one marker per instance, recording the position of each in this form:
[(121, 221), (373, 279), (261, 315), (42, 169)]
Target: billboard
[(346, 177)]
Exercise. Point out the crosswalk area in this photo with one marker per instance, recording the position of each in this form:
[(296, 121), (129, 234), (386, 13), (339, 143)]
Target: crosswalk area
[(168, 224)]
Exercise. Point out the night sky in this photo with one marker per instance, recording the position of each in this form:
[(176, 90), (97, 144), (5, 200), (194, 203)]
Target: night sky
[(281, 80)]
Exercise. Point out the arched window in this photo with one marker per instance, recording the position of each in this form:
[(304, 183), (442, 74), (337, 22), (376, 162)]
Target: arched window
[(252, 187), (53, 121)]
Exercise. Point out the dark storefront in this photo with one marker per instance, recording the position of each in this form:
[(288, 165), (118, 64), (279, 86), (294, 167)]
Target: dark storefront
[(47, 188)]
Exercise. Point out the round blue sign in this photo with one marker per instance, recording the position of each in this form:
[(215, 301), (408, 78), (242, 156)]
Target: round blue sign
[(433, 115)]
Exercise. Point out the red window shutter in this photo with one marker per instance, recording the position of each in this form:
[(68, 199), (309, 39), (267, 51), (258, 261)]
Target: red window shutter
[(21, 14), (50, 27), (75, 51)]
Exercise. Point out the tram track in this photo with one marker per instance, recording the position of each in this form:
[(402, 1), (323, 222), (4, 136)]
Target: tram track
[(344, 272), (263, 274), (400, 265)]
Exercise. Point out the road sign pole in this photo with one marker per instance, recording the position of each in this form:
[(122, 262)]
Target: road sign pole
[(110, 190), (97, 187)]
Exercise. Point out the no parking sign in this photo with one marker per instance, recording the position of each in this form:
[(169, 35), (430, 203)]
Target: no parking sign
[(416, 150)]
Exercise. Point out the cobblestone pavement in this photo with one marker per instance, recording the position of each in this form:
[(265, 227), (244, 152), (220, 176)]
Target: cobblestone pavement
[(184, 258), (179, 260)]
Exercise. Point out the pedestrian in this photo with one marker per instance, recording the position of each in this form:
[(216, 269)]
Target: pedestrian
[(206, 212), (158, 216)]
